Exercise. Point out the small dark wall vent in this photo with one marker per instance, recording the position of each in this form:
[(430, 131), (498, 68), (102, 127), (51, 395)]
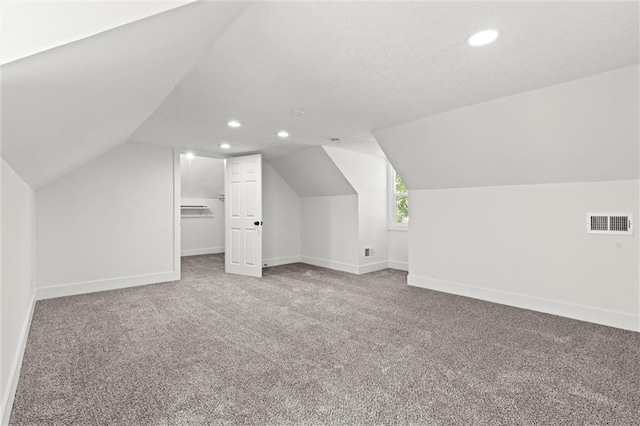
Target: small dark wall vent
[(369, 252), (610, 223)]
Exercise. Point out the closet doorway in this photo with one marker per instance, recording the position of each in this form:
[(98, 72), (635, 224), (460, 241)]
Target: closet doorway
[(201, 205)]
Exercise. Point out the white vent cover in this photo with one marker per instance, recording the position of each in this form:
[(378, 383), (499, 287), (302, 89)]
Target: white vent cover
[(610, 223)]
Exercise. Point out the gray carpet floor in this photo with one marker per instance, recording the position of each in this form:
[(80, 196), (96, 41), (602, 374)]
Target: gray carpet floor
[(307, 345)]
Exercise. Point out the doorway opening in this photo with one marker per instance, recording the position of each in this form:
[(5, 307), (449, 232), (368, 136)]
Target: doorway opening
[(202, 215)]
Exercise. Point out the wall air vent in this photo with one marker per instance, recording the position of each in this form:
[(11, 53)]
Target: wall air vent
[(369, 252), (610, 223)]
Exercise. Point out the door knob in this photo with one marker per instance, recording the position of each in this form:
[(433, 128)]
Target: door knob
[(256, 223)]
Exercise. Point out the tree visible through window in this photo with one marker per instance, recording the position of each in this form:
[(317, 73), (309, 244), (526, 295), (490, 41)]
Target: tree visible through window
[(401, 197)]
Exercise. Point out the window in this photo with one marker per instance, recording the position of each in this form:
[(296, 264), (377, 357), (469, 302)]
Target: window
[(399, 202)]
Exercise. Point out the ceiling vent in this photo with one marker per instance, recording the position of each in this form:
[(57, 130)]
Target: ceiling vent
[(610, 223)]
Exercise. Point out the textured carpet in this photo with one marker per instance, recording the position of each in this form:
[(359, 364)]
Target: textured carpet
[(306, 345)]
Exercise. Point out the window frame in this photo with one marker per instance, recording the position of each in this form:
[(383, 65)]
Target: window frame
[(393, 225)]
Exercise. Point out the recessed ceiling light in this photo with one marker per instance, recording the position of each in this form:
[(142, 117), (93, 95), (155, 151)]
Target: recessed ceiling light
[(224, 145), (297, 113), (483, 38), (234, 123), (189, 155), (283, 134), (335, 140)]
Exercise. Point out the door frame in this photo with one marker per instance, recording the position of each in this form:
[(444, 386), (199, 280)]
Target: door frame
[(177, 195), (177, 234)]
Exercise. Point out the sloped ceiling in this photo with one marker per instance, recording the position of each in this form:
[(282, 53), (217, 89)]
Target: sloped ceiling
[(352, 67), (66, 106), (358, 66), (366, 173), (580, 131), (32, 27), (201, 177), (311, 173)]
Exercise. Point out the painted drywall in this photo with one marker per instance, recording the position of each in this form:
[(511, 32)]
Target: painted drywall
[(311, 173), (398, 249), (527, 246), (29, 28), (201, 177), (18, 257), (108, 224), (583, 130), (201, 182), (367, 174), (281, 212), (202, 231), (533, 165), (357, 66), (87, 97), (329, 232)]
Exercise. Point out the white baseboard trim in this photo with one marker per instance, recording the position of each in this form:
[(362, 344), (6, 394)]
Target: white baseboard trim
[(330, 264), (103, 285), (345, 267), (372, 267), (197, 252), (402, 266), (580, 312), (14, 373), (277, 261)]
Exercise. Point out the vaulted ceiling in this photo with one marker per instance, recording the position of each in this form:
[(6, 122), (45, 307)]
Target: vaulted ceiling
[(177, 77), (33, 27), (64, 107)]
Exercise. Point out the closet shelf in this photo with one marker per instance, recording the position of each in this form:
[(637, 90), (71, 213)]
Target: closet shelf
[(195, 211), (193, 207)]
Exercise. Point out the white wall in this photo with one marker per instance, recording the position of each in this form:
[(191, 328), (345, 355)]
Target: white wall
[(311, 173), (398, 249), (528, 168), (329, 233), (18, 257), (281, 213), (108, 224), (201, 177), (202, 232), (527, 246), (201, 182), (367, 174), (581, 131)]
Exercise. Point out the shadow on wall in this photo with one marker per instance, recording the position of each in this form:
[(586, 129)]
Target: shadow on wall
[(202, 205)]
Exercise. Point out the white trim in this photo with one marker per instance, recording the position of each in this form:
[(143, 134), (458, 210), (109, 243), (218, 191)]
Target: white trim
[(330, 264), (392, 225), (176, 215), (395, 264), (372, 267), (404, 227), (580, 312), (277, 261), (14, 372), (102, 285), (206, 250), (345, 267)]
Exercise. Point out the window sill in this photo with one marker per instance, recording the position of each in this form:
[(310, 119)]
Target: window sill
[(398, 227)]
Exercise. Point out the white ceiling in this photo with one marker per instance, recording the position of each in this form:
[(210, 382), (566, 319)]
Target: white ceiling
[(355, 67), (352, 67), (581, 131), (63, 107), (201, 177), (30, 27), (312, 173)]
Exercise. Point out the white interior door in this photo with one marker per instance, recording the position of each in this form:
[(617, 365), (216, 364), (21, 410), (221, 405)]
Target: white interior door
[(243, 215)]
